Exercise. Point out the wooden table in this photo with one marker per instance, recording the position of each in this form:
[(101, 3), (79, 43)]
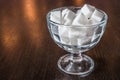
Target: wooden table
[(27, 52)]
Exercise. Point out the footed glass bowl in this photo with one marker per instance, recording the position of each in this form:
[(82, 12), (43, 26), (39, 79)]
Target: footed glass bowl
[(76, 40)]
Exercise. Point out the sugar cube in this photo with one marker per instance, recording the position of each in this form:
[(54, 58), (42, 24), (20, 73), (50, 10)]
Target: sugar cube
[(56, 16), (76, 33), (82, 34), (68, 22), (67, 16), (87, 10), (79, 20), (97, 15), (90, 31), (91, 22), (64, 12), (64, 34), (73, 41), (84, 40)]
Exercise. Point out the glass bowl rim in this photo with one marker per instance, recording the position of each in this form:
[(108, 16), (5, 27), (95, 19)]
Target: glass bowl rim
[(88, 26)]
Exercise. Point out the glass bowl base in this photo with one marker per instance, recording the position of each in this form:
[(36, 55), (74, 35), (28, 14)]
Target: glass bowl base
[(76, 65)]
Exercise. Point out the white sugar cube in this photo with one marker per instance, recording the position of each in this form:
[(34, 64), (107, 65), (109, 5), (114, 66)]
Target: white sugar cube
[(64, 12), (84, 40), (79, 20), (56, 16), (76, 33), (97, 16), (91, 22), (67, 16), (82, 34), (73, 41), (67, 22), (87, 10), (90, 31), (64, 34), (65, 40)]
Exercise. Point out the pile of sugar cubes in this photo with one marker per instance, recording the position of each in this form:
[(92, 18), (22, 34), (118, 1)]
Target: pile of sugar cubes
[(86, 15)]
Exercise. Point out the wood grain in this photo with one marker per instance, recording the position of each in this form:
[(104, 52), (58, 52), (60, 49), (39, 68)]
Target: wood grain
[(27, 51)]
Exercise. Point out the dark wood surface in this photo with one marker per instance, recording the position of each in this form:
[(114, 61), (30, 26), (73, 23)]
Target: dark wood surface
[(27, 52)]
